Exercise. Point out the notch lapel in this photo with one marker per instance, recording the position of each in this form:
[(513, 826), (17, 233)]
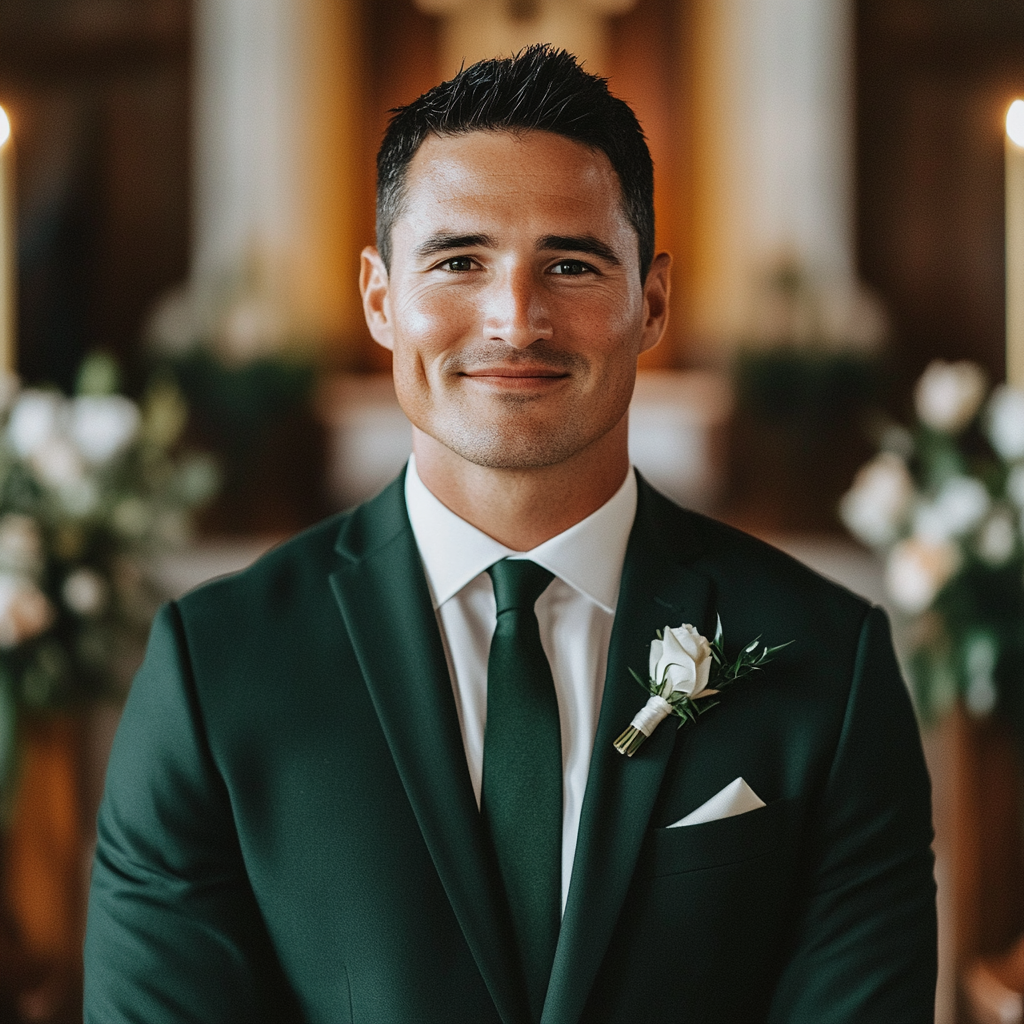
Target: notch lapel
[(382, 592), (657, 589)]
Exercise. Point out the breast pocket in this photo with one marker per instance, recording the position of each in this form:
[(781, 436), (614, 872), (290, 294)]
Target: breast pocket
[(673, 851)]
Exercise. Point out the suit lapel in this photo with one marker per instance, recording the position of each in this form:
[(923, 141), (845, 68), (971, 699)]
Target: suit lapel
[(657, 590), (382, 593)]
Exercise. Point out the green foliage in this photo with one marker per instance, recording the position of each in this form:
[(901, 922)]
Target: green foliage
[(943, 505), (801, 386), (91, 488)]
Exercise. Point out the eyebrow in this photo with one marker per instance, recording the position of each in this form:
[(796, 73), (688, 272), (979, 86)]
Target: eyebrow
[(580, 243), (443, 242), (446, 242)]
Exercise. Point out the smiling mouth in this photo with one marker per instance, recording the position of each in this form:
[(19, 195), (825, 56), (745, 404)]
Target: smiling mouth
[(503, 367), (515, 373)]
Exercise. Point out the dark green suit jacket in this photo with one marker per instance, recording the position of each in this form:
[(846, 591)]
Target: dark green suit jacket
[(289, 831)]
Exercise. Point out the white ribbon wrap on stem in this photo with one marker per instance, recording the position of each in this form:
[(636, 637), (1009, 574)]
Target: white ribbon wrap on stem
[(653, 713)]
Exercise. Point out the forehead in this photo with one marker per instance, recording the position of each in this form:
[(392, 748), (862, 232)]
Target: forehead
[(531, 174)]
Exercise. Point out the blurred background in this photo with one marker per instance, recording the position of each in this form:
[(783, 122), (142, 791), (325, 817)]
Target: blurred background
[(186, 189)]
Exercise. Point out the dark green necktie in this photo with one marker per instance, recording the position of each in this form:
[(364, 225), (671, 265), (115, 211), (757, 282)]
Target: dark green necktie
[(522, 778)]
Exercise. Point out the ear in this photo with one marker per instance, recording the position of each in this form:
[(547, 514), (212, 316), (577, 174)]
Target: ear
[(656, 289), (375, 289)]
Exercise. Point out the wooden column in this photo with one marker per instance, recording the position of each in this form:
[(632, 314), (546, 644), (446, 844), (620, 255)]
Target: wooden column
[(44, 873), (976, 777)]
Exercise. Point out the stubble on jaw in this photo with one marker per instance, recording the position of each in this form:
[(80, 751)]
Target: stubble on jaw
[(514, 431)]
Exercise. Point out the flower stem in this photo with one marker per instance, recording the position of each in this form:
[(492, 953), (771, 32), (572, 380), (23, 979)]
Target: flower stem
[(630, 741)]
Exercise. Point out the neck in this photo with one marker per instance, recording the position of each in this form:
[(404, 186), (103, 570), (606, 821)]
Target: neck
[(522, 508)]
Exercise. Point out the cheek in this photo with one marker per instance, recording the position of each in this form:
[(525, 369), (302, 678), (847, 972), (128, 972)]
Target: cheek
[(605, 324), (432, 321), (429, 326)]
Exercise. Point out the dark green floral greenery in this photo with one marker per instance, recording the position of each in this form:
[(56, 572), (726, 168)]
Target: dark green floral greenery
[(973, 632), (239, 403), (76, 553), (802, 386), (978, 626), (935, 457), (970, 641)]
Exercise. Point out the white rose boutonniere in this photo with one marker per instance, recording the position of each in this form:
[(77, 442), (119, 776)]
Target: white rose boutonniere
[(682, 657), (685, 669)]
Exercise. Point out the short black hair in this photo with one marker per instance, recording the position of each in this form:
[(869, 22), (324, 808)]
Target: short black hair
[(539, 89)]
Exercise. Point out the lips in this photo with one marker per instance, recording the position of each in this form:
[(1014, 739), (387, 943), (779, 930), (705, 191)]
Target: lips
[(512, 375), (517, 379), (501, 364)]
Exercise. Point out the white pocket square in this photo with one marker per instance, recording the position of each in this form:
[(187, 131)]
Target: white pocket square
[(736, 798)]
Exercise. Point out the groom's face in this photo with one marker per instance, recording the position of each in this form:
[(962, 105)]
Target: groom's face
[(513, 305)]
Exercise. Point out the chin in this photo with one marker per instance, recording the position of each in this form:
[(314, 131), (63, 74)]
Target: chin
[(514, 448)]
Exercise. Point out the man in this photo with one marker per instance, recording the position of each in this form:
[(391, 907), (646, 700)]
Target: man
[(373, 776)]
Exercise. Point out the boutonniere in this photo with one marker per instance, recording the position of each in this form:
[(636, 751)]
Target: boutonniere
[(685, 671)]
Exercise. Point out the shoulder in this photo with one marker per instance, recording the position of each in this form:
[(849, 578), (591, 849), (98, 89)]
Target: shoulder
[(274, 579), (299, 568), (758, 589), (287, 594), (729, 554)]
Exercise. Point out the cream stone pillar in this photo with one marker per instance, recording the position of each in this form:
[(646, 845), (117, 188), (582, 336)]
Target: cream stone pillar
[(477, 29), (773, 155), (275, 162)]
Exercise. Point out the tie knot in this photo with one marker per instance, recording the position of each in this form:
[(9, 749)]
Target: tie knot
[(518, 583)]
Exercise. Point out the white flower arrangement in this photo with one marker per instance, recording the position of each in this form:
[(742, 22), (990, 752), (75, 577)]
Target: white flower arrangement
[(944, 506), (90, 490), (682, 667)]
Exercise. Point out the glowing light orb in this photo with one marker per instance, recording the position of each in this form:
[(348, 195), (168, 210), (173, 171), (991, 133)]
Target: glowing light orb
[(1015, 122)]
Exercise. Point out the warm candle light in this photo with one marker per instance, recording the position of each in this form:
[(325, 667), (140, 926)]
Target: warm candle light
[(1015, 244), (8, 260), (1015, 122)]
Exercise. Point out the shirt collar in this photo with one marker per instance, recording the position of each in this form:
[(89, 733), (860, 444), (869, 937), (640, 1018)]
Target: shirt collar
[(588, 556)]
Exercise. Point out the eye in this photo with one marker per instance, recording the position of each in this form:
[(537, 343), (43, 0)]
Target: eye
[(572, 268), (456, 265)]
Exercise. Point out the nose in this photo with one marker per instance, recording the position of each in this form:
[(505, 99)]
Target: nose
[(515, 311)]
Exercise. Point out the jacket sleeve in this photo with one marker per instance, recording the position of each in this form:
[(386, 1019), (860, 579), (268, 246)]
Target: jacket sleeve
[(865, 946), (174, 932)]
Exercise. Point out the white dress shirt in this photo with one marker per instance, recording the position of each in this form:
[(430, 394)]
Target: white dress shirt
[(575, 615)]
